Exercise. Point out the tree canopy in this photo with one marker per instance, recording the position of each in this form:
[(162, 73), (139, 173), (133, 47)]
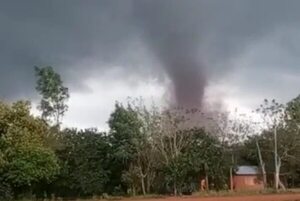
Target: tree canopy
[(54, 94)]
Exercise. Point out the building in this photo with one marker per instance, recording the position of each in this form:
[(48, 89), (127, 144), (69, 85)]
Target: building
[(247, 178)]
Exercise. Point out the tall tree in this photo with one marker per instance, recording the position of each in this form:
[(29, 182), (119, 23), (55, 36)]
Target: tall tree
[(54, 94), (230, 129), (148, 158), (170, 140), (273, 115), (248, 130), (126, 140)]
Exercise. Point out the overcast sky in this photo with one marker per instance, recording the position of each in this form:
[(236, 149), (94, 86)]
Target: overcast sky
[(233, 52)]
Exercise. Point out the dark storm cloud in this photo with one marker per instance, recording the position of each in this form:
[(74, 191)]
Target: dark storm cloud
[(192, 40), (58, 33)]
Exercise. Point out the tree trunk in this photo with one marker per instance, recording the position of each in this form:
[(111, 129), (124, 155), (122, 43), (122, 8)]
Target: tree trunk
[(278, 183), (231, 179), (206, 178), (262, 165), (281, 185), (276, 179), (133, 190), (143, 184), (265, 178), (175, 189), (231, 173), (148, 184), (206, 183)]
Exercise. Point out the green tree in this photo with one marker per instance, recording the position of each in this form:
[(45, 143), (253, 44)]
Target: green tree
[(147, 154), (205, 154), (279, 137), (288, 152), (85, 163), (27, 159), (183, 160), (292, 139), (126, 140), (54, 94)]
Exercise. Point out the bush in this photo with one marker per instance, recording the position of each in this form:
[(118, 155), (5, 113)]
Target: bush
[(5, 191)]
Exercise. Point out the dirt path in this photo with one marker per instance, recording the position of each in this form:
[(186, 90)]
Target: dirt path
[(282, 197)]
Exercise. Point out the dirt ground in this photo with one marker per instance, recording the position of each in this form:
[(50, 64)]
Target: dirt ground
[(278, 197)]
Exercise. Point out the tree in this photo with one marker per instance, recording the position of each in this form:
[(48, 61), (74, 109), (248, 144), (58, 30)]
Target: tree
[(126, 140), (293, 112), (273, 115), (186, 152), (288, 152), (292, 137), (27, 159), (205, 157), (247, 130), (230, 129), (170, 139), (261, 162), (255, 151), (84, 160), (147, 154), (54, 94)]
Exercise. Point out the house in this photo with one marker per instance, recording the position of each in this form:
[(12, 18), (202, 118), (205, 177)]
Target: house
[(247, 178)]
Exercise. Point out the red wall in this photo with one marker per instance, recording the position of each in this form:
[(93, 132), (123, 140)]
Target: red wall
[(247, 182)]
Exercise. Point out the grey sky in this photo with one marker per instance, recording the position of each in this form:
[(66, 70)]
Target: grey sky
[(237, 51)]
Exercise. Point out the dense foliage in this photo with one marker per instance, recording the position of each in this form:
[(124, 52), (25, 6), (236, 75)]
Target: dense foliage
[(26, 159)]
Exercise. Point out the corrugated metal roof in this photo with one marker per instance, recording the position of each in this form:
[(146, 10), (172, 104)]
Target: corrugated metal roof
[(247, 170)]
